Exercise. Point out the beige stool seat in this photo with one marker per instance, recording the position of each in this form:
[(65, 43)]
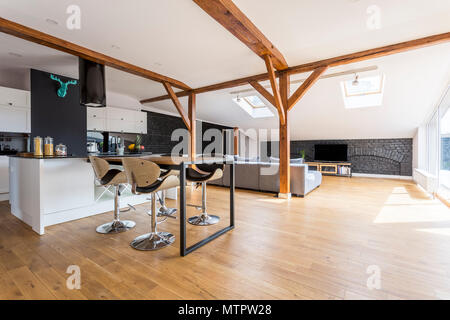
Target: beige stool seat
[(117, 178), (144, 176)]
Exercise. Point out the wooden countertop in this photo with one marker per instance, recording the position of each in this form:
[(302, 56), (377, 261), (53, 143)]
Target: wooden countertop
[(161, 160)]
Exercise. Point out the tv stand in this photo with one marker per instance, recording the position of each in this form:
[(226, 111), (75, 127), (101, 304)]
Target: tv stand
[(341, 169)]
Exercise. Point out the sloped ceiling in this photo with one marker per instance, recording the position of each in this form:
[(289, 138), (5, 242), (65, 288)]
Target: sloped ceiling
[(176, 38)]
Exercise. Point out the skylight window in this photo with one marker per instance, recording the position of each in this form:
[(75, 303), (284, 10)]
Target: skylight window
[(364, 92), (254, 106), (254, 102)]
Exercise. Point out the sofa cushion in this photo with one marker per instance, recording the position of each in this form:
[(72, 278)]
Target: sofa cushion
[(269, 179), (314, 179), (264, 176), (247, 175), (298, 160)]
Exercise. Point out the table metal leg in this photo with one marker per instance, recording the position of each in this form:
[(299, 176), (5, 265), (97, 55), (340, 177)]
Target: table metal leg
[(183, 250)]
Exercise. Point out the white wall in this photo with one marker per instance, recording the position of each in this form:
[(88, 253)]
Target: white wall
[(14, 79), (118, 100), (248, 144)]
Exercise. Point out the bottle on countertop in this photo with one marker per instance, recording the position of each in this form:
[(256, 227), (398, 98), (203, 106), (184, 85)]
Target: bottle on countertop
[(38, 147), (61, 150), (48, 146)]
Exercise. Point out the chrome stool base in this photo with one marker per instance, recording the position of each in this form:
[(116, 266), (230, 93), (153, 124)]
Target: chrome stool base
[(164, 211), (116, 227), (153, 241), (204, 220)]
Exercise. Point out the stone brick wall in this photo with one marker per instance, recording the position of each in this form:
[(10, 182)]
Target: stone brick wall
[(373, 156)]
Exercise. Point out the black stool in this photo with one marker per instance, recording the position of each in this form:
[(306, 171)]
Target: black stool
[(205, 173)]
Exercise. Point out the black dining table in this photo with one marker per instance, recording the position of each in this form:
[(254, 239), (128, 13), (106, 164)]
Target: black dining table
[(181, 163)]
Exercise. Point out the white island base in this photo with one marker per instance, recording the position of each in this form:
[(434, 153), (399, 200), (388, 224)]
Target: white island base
[(44, 192)]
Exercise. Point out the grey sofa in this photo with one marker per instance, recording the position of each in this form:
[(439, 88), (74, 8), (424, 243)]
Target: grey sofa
[(261, 176)]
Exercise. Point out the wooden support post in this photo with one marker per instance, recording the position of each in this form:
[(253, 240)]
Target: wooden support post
[(192, 113), (285, 141), (266, 94), (275, 90), (305, 86), (236, 141), (178, 105)]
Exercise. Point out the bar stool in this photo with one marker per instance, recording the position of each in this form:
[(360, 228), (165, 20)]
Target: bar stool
[(111, 177), (206, 172), (144, 177)]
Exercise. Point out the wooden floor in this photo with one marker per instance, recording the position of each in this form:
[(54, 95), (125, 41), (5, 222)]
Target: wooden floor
[(318, 247)]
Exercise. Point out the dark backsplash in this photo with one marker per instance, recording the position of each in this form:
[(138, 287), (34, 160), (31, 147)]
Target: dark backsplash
[(159, 132), (373, 156)]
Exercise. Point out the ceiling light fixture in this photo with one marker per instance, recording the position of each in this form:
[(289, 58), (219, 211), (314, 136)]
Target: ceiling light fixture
[(355, 82), (51, 21)]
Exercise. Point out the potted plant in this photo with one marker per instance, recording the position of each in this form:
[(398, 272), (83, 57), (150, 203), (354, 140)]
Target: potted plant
[(302, 155)]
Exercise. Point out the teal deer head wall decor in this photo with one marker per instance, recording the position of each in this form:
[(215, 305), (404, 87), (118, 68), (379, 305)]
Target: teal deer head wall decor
[(62, 91)]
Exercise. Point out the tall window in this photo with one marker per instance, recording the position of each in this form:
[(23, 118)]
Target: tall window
[(436, 148), (444, 139), (433, 144)]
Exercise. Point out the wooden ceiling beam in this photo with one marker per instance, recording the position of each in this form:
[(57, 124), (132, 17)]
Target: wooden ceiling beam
[(266, 94), (23, 32), (373, 53), (332, 62), (234, 20), (275, 90), (304, 87), (178, 105)]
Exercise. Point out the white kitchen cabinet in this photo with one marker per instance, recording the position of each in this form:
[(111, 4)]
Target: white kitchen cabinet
[(15, 110), (119, 125), (15, 97), (116, 120), (96, 119), (96, 124), (141, 122), (96, 112), (120, 114), (119, 120), (4, 174), (15, 119)]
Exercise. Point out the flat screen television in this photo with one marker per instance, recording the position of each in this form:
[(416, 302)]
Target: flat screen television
[(330, 152)]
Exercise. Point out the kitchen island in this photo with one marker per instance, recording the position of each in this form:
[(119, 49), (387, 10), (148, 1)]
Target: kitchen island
[(48, 191)]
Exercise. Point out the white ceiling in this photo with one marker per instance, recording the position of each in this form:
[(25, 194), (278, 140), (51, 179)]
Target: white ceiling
[(176, 38)]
